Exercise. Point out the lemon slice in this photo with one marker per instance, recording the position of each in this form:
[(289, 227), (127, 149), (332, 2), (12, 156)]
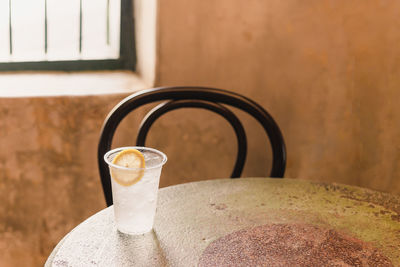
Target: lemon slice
[(128, 158)]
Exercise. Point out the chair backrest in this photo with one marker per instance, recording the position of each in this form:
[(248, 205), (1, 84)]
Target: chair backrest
[(193, 97)]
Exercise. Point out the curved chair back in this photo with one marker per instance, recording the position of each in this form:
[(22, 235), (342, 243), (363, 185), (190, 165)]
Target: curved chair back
[(193, 97)]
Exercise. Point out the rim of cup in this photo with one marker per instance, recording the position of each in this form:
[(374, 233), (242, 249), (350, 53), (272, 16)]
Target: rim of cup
[(115, 150)]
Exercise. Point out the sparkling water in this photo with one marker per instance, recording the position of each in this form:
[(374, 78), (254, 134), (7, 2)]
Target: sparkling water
[(135, 205)]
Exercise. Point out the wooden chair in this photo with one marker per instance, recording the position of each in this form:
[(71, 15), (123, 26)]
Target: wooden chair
[(211, 99)]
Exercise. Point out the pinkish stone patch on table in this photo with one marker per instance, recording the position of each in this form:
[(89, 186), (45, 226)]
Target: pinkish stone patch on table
[(291, 245)]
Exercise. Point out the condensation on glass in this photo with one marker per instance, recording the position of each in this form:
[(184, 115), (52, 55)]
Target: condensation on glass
[(56, 30)]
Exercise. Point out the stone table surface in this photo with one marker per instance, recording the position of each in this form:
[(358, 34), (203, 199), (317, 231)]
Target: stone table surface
[(217, 222)]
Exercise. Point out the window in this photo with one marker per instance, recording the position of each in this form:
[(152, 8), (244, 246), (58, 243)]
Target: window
[(66, 35)]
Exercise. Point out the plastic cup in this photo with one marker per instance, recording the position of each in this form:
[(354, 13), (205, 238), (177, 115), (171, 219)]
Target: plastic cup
[(135, 205)]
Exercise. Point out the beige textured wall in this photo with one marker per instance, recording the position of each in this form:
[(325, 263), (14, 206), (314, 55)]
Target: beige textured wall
[(328, 71), (49, 179), (47, 172)]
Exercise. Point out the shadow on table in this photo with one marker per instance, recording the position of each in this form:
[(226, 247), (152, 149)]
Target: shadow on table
[(139, 250)]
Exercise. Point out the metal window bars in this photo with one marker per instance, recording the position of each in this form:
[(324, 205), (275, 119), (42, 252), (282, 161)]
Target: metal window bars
[(64, 30)]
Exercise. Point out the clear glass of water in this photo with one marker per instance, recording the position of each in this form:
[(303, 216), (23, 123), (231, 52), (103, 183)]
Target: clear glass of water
[(135, 205)]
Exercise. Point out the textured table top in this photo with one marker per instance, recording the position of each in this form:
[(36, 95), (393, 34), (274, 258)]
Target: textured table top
[(245, 222)]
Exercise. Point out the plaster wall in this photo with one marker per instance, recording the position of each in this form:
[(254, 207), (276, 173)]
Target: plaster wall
[(327, 71)]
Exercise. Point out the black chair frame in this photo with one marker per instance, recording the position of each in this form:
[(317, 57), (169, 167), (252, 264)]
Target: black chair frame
[(191, 97)]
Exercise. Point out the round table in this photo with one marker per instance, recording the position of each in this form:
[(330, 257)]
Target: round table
[(202, 223)]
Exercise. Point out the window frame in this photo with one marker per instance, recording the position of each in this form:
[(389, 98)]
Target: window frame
[(126, 60)]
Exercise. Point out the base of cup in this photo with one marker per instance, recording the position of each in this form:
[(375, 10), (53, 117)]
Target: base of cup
[(134, 232)]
